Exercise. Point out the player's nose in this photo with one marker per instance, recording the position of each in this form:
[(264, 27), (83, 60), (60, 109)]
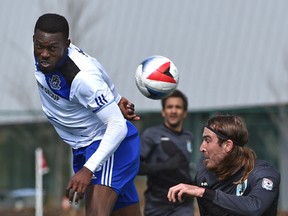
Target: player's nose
[(45, 53)]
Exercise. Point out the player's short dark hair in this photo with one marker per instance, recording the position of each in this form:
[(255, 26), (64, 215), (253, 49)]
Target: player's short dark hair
[(52, 23), (179, 94)]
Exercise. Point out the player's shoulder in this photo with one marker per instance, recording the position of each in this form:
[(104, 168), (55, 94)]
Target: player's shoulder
[(263, 164), (155, 132), (264, 168), (188, 133), (153, 129), (83, 61)]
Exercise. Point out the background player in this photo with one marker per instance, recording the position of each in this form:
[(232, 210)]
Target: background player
[(165, 157)]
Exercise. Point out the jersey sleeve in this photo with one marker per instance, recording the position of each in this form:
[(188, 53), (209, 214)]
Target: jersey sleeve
[(263, 187), (110, 84), (90, 90)]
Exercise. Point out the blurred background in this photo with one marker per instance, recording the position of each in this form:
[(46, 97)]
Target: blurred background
[(232, 57)]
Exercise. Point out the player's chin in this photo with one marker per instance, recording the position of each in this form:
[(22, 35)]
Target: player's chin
[(174, 122), (45, 69), (46, 66), (210, 165), (207, 163)]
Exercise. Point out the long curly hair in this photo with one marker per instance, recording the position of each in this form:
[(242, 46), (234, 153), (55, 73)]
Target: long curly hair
[(241, 157)]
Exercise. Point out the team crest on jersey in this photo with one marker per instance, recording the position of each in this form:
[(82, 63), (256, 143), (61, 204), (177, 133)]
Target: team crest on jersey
[(55, 82), (267, 184), (189, 145), (240, 189)]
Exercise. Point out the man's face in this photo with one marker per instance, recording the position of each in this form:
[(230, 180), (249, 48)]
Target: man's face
[(174, 113), (49, 49), (211, 150)]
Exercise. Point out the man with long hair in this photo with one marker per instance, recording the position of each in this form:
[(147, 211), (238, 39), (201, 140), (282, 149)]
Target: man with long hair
[(230, 181)]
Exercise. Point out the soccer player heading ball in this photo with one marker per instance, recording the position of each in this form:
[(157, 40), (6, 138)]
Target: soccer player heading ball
[(82, 104)]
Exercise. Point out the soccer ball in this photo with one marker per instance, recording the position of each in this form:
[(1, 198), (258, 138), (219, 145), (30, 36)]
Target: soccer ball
[(157, 77)]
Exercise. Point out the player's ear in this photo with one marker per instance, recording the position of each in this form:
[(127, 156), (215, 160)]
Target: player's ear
[(228, 145), (185, 114), (68, 42), (163, 113)]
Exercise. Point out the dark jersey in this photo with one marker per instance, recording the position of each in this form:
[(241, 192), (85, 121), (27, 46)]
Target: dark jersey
[(258, 195), (165, 159)]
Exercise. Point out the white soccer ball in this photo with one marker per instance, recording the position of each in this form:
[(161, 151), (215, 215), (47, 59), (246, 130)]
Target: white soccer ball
[(157, 77)]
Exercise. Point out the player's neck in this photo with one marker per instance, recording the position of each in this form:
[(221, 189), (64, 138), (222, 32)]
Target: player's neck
[(176, 128)]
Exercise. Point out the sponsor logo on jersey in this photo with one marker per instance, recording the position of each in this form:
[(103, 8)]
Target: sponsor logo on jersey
[(164, 138), (240, 189), (204, 183), (101, 100), (49, 92), (267, 184), (55, 82)]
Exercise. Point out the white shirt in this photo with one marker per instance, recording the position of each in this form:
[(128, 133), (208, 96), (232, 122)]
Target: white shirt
[(80, 101)]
